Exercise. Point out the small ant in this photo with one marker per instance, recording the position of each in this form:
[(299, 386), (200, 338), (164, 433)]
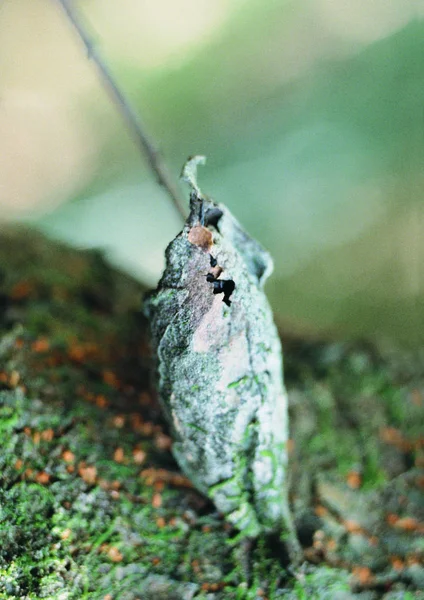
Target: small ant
[(221, 286)]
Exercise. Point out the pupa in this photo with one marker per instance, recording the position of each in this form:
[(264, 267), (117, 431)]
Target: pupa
[(219, 368)]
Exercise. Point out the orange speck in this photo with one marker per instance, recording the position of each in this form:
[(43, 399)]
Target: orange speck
[(28, 472), (397, 563), (139, 456), (119, 421), (77, 352), (88, 473), (159, 485), (160, 522), (27, 431), (70, 468), (419, 461), (391, 518), (36, 437), (3, 377), (18, 464), (163, 442), (362, 574), (318, 539), (407, 524), (152, 476), (65, 534), (353, 526), (107, 597), (42, 477), (392, 436), (136, 422), (47, 435), (68, 456), (101, 401), (41, 345), (206, 529), (110, 378), (147, 428), (331, 545), (21, 290), (115, 494), (157, 501), (416, 397), (320, 510), (420, 481), (114, 554), (156, 560), (14, 379), (354, 480), (19, 343), (116, 484), (195, 565), (118, 455), (148, 475), (181, 481)]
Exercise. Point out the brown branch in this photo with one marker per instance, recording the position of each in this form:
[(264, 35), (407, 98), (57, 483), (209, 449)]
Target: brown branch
[(132, 119)]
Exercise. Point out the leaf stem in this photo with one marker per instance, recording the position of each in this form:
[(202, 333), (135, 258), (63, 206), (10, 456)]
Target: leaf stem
[(132, 119)]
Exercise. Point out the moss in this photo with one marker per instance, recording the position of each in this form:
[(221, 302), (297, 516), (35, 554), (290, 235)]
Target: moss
[(29, 548), (91, 500), (320, 583), (194, 426), (235, 384)]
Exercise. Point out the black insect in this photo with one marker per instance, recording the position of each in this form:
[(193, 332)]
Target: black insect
[(222, 286)]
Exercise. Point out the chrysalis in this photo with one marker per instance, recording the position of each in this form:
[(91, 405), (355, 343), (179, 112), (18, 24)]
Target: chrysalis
[(219, 368)]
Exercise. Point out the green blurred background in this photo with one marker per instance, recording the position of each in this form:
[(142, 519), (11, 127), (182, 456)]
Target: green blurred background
[(311, 114)]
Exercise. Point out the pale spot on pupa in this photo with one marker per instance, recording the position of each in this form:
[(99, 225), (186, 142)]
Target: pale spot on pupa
[(177, 424), (234, 359), (212, 329)]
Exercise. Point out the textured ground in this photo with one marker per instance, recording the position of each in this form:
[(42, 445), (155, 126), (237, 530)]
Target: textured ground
[(92, 504)]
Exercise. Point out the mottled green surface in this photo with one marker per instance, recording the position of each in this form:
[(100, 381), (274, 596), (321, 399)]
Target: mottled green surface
[(92, 504)]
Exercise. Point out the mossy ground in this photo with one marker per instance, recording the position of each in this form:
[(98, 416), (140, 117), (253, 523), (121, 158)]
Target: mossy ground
[(92, 504)]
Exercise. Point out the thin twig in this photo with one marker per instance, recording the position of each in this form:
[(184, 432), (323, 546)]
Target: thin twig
[(132, 119)]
